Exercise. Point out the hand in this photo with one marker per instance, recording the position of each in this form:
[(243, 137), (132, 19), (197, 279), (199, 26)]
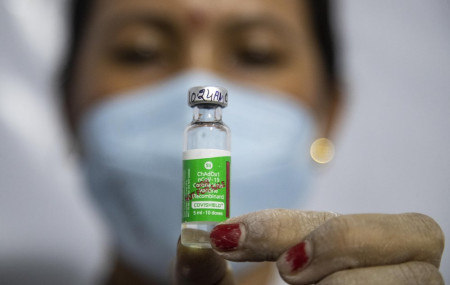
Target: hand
[(324, 248), (198, 266)]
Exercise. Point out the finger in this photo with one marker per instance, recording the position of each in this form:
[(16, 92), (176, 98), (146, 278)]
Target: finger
[(410, 273), (367, 240), (264, 235), (200, 266)]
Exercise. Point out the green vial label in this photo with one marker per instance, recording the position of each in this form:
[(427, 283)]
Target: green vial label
[(206, 185)]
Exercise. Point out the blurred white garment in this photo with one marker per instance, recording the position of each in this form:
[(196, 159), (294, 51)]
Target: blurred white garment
[(49, 232)]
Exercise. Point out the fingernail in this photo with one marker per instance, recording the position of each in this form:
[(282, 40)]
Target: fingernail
[(226, 237), (297, 257)]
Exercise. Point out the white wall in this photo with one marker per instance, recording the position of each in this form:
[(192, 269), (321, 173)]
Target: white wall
[(393, 148)]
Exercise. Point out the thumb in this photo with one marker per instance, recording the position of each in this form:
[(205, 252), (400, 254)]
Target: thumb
[(200, 266), (264, 235)]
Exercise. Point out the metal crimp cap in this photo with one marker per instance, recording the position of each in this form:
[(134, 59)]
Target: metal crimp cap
[(208, 95)]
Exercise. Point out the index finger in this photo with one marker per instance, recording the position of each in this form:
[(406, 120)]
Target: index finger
[(266, 234)]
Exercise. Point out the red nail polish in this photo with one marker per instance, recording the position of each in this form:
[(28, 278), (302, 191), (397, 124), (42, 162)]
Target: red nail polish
[(297, 256), (226, 237)]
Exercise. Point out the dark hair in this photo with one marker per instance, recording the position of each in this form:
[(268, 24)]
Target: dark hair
[(78, 14), (321, 17), (322, 25)]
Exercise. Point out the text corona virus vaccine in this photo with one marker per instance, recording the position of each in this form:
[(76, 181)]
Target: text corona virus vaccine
[(206, 166)]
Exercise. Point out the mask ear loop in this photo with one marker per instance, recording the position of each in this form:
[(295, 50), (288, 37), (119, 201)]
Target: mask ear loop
[(322, 150)]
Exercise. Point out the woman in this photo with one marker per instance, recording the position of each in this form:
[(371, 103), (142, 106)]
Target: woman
[(131, 65)]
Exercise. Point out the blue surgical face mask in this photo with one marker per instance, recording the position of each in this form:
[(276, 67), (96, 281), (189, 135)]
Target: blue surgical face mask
[(133, 145)]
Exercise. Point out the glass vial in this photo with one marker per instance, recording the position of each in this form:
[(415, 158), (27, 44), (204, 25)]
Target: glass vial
[(206, 166)]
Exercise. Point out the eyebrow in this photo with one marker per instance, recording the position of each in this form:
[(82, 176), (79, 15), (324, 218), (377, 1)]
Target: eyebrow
[(257, 22), (168, 26), (148, 19)]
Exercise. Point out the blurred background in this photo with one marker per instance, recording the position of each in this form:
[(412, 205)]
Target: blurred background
[(392, 146)]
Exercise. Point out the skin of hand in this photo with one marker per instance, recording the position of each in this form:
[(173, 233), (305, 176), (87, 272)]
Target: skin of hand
[(329, 249), (200, 266)]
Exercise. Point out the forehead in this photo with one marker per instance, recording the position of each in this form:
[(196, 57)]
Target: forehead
[(201, 14)]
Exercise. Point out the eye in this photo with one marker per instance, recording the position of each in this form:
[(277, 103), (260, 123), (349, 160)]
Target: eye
[(258, 57), (138, 55)]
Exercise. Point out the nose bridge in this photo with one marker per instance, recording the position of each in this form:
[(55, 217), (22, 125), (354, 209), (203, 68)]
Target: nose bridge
[(201, 53)]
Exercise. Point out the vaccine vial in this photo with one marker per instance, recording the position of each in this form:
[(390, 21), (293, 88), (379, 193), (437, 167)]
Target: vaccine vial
[(206, 166)]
